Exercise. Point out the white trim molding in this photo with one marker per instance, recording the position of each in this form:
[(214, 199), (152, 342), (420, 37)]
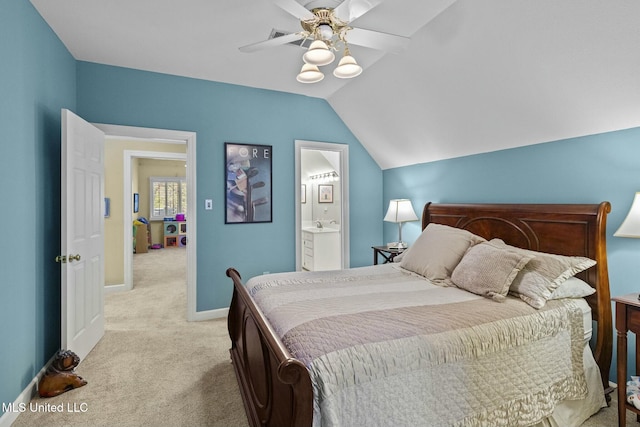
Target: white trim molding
[(174, 137), (128, 157), (212, 314)]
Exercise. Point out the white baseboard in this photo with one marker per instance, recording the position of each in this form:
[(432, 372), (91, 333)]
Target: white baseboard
[(208, 315), (109, 289), (24, 398)]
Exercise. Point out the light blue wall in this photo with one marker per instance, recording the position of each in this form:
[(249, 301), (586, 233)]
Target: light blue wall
[(588, 169), (37, 79), (222, 113)]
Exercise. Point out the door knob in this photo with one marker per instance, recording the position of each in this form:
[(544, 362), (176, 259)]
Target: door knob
[(74, 257), (61, 259)]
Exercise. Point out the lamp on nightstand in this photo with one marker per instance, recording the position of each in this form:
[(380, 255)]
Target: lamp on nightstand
[(631, 225), (400, 211)]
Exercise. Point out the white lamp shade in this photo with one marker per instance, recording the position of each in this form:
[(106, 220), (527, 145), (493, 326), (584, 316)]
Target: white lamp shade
[(347, 68), (631, 225), (318, 54), (400, 210), (309, 74)]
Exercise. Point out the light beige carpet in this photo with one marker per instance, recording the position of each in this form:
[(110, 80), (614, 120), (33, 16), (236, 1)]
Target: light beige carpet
[(152, 368)]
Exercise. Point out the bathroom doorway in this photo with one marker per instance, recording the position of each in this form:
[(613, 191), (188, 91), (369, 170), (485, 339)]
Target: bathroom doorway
[(322, 205)]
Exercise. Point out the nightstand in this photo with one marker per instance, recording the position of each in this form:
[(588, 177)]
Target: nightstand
[(627, 319), (387, 253)]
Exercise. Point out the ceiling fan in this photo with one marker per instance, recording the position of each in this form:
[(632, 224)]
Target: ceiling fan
[(327, 23)]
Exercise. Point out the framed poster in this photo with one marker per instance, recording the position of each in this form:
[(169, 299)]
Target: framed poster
[(325, 193), (248, 183)]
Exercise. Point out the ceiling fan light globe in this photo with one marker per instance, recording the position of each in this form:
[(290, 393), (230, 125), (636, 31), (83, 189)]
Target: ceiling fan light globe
[(318, 54), (310, 74), (347, 68), (326, 32)]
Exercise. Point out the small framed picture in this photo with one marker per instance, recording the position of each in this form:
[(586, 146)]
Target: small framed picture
[(325, 193), (303, 194), (136, 202)]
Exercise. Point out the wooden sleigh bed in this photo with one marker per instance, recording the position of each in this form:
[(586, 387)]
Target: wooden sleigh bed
[(277, 388)]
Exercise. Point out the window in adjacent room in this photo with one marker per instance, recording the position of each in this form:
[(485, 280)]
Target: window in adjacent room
[(168, 197)]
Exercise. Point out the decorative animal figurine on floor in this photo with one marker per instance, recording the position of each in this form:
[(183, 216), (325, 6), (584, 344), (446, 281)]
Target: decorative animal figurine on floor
[(60, 377)]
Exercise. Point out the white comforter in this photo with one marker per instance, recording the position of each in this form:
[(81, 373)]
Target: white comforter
[(387, 347)]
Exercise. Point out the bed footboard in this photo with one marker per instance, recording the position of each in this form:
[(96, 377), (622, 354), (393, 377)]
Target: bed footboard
[(276, 388)]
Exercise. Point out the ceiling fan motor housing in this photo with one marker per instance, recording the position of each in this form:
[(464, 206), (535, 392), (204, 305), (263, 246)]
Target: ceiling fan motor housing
[(325, 24)]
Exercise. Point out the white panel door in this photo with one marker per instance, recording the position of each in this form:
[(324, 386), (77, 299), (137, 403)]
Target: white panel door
[(82, 226)]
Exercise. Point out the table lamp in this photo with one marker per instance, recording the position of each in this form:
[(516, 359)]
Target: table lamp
[(400, 211), (630, 227)]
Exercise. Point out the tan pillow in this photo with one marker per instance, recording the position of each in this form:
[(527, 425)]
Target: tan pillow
[(488, 271), (543, 274), (437, 251)]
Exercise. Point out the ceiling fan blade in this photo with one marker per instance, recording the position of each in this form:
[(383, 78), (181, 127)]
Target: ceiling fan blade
[(378, 40), (294, 8), (277, 41), (350, 10)]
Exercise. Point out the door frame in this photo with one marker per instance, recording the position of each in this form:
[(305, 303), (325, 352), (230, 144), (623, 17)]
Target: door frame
[(162, 135), (129, 156), (343, 150)]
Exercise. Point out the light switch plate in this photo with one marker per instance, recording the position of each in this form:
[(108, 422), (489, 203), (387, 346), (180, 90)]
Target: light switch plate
[(208, 204)]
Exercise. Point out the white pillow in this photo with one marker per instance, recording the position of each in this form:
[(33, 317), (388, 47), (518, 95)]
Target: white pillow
[(572, 288), (437, 251)]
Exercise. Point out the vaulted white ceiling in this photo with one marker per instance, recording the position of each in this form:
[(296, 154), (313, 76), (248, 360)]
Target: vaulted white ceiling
[(478, 75)]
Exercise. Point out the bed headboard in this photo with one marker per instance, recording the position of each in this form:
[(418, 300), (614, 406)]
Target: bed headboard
[(565, 229)]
